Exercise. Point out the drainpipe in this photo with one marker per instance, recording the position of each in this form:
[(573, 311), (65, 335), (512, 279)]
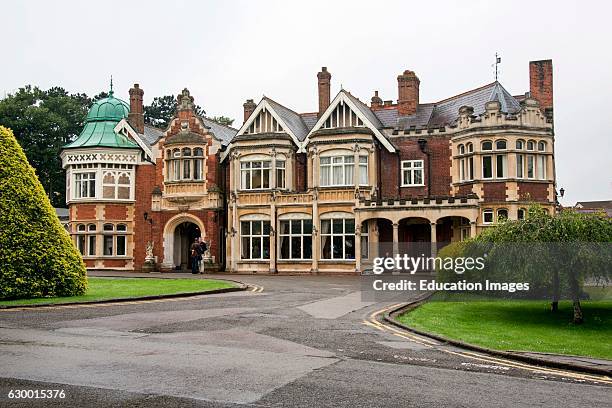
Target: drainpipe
[(422, 145)]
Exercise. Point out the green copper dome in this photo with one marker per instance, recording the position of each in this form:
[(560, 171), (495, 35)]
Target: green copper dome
[(99, 130), (109, 108)]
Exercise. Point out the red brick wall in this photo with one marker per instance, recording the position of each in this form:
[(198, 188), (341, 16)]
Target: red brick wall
[(465, 189), (541, 82), (440, 156), (115, 263), (85, 211), (533, 191), (300, 171), (494, 191), (116, 211), (145, 181)]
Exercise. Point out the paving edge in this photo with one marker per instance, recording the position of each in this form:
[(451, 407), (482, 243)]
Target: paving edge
[(242, 286), (392, 314)]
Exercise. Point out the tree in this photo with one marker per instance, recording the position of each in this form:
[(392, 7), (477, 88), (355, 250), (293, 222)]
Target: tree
[(162, 110), (556, 254), (223, 120), (37, 256), (43, 121)]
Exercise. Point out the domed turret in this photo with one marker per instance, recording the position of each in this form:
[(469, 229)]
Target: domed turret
[(99, 130)]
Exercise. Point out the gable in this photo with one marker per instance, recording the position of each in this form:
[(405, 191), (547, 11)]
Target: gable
[(267, 119), (347, 111), (124, 128), (264, 122)]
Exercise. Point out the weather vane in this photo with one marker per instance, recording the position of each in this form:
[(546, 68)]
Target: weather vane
[(497, 62), (111, 86)]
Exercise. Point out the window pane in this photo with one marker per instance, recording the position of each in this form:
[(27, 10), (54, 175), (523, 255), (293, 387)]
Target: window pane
[(471, 168), (186, 169), (530, 167), (284, 247), (121, 245), (325, 171), (266, 227), (92, 245), (246, 246), (266, 178), (81, 244), (307, 242), (407, 175), (266, 247), (488, 216), (349, 226), (349, 172), (519, 165), (255, 247), (338, 178), (308, 226), (418, 176), (123, 193), (338, 247), (487, 168), (501, 166), (108, 245), (363, 175), (108, 191), (349, 247), (284, 227), (487, 146), (256, 181), (256, 227), (325, 226), (326, 247), (296, 247), (197, 169), (337, 226), (245, 228), (500, 145), (296, 226)]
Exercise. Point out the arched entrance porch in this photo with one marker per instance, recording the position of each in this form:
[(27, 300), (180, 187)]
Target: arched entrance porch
[(179, 233)]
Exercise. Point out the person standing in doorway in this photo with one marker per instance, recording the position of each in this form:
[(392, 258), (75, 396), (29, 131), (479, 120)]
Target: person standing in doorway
[(196, 255)]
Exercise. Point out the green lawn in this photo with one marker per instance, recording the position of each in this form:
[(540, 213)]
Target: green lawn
[(120, 288), (524, 325)]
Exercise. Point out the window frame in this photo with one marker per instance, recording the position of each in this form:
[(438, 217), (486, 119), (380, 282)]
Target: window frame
[(303, 236), (412, 169), (262, 237), (332, 235)]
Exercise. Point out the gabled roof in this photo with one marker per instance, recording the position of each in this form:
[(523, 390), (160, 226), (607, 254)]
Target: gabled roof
[(151, 135), (222, 132), (364, 113), (606, 204), (290, 121)]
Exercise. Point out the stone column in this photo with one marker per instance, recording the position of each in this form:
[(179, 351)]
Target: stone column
[(356, 166), (316, 237), (434, 245), (273, 169), (472, 229), (395, 238), (357, 246), (273, 233), (289, 166)]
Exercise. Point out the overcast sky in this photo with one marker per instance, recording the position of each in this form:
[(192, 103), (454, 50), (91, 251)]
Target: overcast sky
[(226, 52)]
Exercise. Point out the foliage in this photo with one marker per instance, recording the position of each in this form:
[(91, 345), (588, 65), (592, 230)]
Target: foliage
[(162, 110), (37, 257), (556, 254), (43, 121), (222, 120)]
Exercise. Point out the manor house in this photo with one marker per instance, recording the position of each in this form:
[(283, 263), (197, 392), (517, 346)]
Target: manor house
[(315, 192)]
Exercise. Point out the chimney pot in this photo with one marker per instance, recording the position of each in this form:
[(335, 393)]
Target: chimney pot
[(541, 83), (249, 106), (408, 93), (324, 83), (136, 115), (376, 102)]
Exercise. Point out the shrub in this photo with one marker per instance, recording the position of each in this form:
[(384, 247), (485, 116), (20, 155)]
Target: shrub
[(37, 256)]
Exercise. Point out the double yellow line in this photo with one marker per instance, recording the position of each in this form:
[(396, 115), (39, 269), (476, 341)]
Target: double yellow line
[(373, 320), (255, 288)]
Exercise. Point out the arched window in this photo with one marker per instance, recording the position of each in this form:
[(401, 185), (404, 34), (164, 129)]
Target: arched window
[(502, 214), (520, 144), (542, 146), (108, 227), (470, 148), (487, 216), (530, 145), (116, 185), (461, 149), (500, 145), (521, 213), (81, 228), (487, 145)]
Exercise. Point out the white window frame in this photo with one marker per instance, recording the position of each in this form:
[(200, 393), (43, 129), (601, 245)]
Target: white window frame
[(484, 216), (530, 158), (490, 157), (504, 162), (289, 235), (541, 167), (262, 237), (409, 168), (80, 180), (281, 174), (343, 235), (520, 166), (247, 170), (344, 163)]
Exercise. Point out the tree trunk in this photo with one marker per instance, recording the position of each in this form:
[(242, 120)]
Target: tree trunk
[(554, 306), (575, 289)]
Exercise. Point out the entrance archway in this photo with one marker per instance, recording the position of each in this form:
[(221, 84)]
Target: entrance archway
[(179, 233), (184, 235)]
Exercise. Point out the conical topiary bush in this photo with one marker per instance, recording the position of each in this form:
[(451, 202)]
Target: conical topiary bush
[(37, 257)]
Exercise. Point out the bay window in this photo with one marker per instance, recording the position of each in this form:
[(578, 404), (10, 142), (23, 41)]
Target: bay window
[(502, 166), (295, 238), (255, 239), (185, 164), (487, 167), (255, 174), (280, 173), (114, 240), (85, 185), (337, 170), (541, 167), (412, 173), (338, 238)]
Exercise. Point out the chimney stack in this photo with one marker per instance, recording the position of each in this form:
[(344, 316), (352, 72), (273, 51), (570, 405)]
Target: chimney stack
[(541, 83), (136, 115), (249, 106), (376, 102), (408, 93), (324, 78)]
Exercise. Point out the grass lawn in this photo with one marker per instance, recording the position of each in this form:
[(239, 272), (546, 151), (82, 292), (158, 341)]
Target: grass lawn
[(116, 288), (525, 325)]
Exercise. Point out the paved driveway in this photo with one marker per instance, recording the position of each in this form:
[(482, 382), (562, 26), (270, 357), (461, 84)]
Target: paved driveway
[(302, 341)]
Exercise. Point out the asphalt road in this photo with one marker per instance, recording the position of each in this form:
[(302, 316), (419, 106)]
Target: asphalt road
[(301, 342)]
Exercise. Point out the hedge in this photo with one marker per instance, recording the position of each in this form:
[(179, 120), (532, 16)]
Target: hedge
[(37, 256)]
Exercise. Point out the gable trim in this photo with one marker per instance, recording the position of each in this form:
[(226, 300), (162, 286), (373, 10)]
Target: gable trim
[(341, 97), (125, 125), (263, 104)]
